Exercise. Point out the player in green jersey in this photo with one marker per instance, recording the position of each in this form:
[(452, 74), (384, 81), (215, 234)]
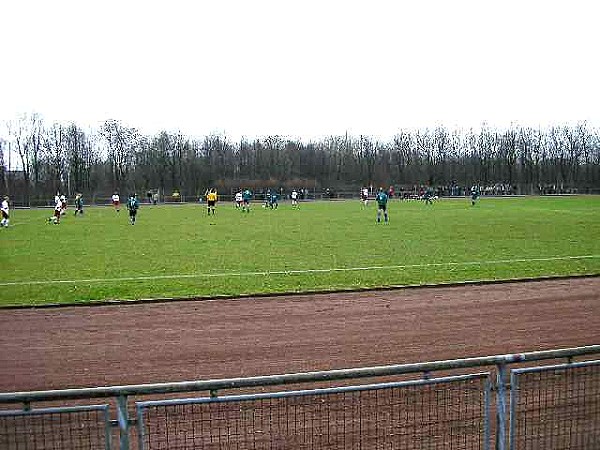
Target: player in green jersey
[(246, 197), (381, 200), (79, 204), (132, 205), (474, 194), (274, 201)]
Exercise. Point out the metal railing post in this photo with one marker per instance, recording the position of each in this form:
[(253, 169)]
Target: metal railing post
[(486, 424), (501, 407), (123, 420), (514, 392), (107, 429)]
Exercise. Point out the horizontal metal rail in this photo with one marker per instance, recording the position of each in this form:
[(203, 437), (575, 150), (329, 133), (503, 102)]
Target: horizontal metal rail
[(311, 392), (55, 410), (294, 378), (555, 367)]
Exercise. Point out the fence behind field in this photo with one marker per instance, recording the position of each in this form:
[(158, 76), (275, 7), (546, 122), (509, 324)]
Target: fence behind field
[(551, 407)]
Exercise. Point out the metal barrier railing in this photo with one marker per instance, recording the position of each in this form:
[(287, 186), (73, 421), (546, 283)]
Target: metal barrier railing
[(555, 406), (81, 427), (499, 425), (448, 412)]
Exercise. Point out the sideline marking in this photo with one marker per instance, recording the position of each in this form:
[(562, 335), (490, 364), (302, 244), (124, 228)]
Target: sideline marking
[(294, 272)]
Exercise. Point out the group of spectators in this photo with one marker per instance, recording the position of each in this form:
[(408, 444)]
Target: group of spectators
[(454, 190)]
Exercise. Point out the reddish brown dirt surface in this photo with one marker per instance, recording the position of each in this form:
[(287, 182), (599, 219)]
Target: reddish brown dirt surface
[(66, 347)]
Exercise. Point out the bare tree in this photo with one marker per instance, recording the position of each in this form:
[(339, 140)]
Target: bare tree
[(55, 156), (535, 160), (121, 142), (3, 175), (27, 135), (81, 157)]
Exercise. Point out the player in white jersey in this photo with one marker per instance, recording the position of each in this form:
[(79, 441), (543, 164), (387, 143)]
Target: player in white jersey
[(63, 204), (5, 212), (116, 201), (364, 196), (58, 207), (238, 199), (294, 197)]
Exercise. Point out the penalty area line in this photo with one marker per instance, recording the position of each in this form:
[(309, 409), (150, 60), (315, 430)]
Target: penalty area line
[(298, 272)]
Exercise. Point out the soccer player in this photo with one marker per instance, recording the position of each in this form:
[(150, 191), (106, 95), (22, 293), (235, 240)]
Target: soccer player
[(79, 204), (246, 197), (381, 200), (428, 196), (474, 194), (211, 200), (238, 199), (274, 202), (132, 205), (55, 218), (116, 201), (294, 197), (4, 209), (364, 196), (63, 204)]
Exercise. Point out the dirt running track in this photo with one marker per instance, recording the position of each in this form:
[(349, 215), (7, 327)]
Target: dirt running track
[(159, 342)]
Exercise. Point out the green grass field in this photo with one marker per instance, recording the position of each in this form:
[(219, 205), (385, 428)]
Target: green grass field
[(178, 251)]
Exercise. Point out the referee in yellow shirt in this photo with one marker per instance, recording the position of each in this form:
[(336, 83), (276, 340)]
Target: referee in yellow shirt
[(211, 200)]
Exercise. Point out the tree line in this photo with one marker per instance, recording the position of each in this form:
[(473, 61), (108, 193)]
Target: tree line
[(38, 159)]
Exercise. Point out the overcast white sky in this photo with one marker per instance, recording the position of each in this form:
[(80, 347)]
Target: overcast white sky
[(300, 68)]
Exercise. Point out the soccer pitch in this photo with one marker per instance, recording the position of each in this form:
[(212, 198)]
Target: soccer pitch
[(179, 251)]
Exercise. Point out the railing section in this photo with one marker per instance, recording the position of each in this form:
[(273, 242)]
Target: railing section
[(552, 407), (555, 407)]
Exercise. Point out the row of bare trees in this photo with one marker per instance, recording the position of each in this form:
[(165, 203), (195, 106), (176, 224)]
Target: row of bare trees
[(37, 160)]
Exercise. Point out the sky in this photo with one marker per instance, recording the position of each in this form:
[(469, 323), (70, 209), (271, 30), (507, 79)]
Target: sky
[(300, 68)]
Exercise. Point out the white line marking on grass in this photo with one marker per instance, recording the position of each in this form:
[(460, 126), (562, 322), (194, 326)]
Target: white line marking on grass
[(295, 272)]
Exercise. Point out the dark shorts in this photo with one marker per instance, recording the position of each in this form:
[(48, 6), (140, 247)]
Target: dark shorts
[(4, 215), (211, 203), (132, 212), (246, 201), (382, 207)]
